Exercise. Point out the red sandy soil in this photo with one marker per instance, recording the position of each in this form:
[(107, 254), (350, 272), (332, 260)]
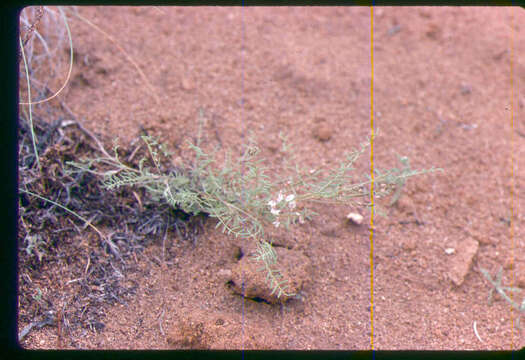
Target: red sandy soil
[(443, 95)]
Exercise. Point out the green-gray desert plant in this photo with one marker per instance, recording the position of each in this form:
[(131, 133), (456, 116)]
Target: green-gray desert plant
[(241, 195)]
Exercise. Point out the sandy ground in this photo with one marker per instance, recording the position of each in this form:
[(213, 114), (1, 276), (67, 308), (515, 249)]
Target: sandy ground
[(443, 95)]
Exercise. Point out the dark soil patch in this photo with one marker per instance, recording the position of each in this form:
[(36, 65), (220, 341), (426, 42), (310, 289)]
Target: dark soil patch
[(57, 248)]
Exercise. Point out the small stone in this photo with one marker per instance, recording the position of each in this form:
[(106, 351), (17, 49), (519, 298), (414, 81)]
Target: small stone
[(322, 132), (461, 262), (355, 218), (450, 251)]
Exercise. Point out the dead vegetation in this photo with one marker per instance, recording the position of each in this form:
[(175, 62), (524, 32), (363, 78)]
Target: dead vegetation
[(92, 273)]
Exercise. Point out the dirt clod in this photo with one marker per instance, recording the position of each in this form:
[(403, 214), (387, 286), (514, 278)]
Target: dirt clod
[(249, 281)]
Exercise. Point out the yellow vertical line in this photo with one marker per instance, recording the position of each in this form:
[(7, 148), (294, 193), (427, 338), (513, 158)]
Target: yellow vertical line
[(511, 232), (372, 178), (243, 270)]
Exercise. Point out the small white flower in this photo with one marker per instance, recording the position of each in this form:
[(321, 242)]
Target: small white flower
[(276, 223), (292, 205), (272, 203), (275, 211), (290, 197), (280, 197)]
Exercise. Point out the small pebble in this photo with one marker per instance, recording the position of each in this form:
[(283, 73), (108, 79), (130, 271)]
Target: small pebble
[(322, 132), (355, 218)]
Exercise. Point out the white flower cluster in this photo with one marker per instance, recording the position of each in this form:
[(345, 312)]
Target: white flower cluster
[(277, 205)]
